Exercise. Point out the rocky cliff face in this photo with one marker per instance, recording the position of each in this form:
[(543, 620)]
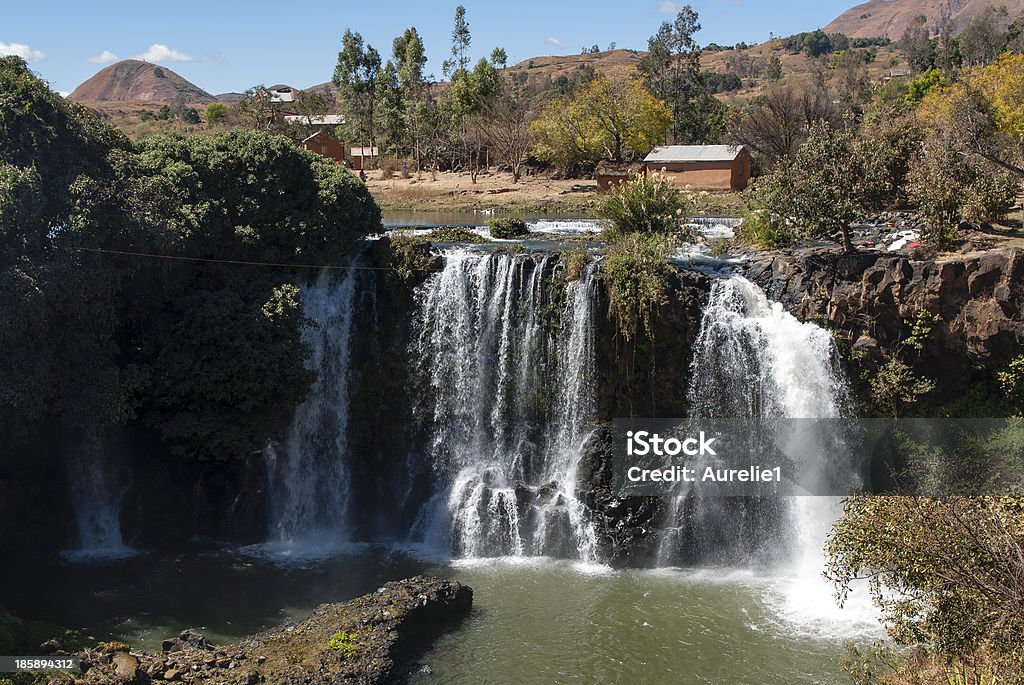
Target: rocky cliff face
[(869, 300)]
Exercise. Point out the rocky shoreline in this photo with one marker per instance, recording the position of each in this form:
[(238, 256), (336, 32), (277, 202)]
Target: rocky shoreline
[(372, 640)]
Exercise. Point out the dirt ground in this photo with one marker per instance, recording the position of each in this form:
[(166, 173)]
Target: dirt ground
[(496, 191)]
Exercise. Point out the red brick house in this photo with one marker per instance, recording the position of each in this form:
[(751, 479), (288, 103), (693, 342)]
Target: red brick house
[(701, 167)]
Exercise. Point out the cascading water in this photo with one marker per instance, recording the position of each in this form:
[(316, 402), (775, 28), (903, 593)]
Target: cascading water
[(505, 365), (754, 360), (96, 493), (308, 471)]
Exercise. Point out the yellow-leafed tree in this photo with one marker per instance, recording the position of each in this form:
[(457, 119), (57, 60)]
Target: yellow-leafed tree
[(605, 119)]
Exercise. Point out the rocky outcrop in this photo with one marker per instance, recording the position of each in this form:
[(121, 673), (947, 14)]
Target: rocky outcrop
[(370, 640), (870, 299)]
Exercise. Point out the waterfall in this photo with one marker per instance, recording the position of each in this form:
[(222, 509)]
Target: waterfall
[(505, 366), (754, 360), (96, 493), (308, 472)]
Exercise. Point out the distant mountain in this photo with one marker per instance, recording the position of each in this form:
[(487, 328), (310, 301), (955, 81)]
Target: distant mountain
[(135, 81), (890, 18)]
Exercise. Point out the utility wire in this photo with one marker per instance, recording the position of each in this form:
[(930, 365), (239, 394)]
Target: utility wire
[(283, 265)]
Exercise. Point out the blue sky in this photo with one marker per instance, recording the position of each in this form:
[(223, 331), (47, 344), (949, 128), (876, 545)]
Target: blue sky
[(228, 46)]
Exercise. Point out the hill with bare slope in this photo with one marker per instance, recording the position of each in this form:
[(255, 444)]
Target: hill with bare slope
[(890, 18), (136, 81)]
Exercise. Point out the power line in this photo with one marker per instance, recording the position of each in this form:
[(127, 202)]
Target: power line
[(282, 265)]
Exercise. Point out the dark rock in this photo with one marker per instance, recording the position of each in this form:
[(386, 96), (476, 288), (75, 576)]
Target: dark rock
[(867, 298), (188, 639)]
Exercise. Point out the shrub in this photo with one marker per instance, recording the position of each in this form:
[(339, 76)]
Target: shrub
[(762, 228), (575, 262), (895, 387), (454, 234), (507, 228), (644, 204), (410, 258), (637, 274), (215, 113), (343, 643), (946, 572)]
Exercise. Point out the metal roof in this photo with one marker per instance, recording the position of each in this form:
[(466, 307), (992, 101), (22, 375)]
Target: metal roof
[(325, 120), (694, 153)]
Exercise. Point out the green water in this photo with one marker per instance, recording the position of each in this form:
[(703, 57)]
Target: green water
[(533, 622), (549, 622)]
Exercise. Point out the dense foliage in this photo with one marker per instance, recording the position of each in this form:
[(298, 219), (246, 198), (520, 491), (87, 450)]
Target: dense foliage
[(644, 204), (157, 283), (636, 270), (604, 119), (947, 572)]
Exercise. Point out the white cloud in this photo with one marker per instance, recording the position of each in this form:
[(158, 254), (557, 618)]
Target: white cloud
[(557, 43), (158, 52), (669, 7), (105, 57), (21, 50)]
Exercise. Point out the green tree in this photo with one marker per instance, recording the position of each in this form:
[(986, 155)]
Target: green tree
[(829, 184), (917, 45), (410, 57), (461, 40), (215, 113), (355, 75), (671, 71)]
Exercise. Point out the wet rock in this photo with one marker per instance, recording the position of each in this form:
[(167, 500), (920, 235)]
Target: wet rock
[(370, 640), (867, 298), (188, 639)]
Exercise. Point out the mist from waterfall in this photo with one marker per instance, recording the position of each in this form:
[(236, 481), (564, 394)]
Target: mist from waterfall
[(309, 470), (97, 491), (752, 359), (504, 355)]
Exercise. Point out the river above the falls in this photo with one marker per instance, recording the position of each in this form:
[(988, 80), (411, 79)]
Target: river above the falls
[(542, 620)]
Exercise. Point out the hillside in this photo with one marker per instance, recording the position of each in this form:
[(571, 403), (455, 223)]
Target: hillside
[(890, 18), (139, 82)]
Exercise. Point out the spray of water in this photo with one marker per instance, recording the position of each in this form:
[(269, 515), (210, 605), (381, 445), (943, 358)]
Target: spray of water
[(308, 471), (505, 358), (753, 359), (96, 494)]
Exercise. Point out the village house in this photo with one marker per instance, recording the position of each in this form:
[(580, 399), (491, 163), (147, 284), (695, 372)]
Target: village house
[(325, 145), (701, 167)]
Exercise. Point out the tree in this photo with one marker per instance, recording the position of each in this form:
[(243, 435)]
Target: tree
[(190, 115), (671, 71), (605, 119), (410, 57), (499, 58), (256, 108), (215, 113), (355, 75), (461, 40), (503, 121), (982, 39), (945, 572), (917, 45), (774, 125), (829, 184), (390, 108)]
